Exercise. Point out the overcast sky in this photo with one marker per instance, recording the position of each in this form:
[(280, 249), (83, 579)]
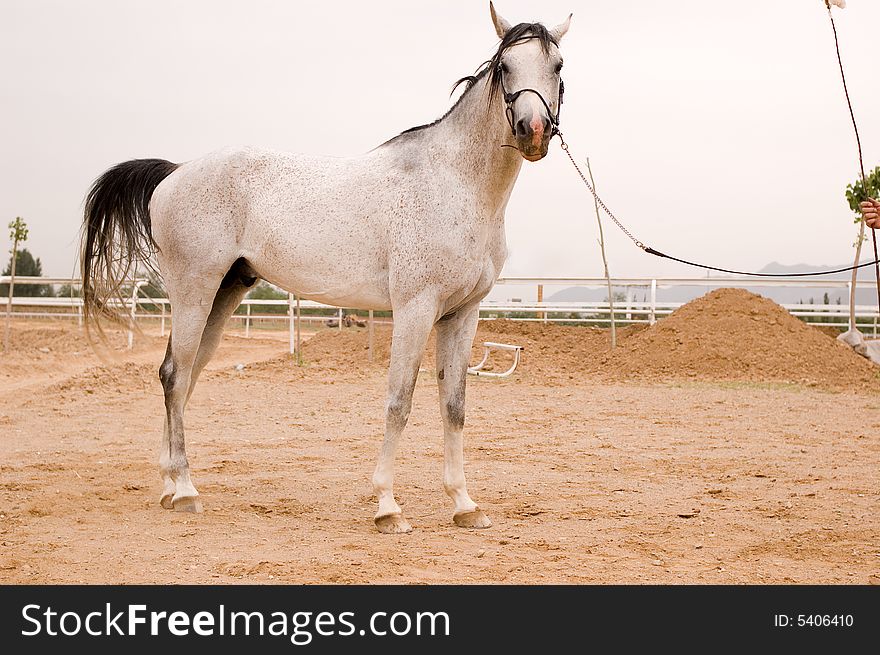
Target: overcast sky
[(717, 130)]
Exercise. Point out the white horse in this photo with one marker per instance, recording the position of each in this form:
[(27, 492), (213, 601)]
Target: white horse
[(415, 226)]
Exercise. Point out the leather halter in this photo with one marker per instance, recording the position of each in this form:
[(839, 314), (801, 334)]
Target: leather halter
[(510, 98)]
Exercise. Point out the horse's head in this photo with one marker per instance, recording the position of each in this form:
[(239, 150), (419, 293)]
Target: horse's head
[(526, 71)]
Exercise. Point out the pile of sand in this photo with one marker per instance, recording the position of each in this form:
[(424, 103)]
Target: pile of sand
[(549, 346), (333, 349), (57, 350), (731, 334), (37, 350), (109, 379), (726, 335)]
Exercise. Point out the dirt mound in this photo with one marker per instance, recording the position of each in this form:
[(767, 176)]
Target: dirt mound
[(554, 352), (50, 351), (108, 379), (342, 350), (726, 335), (732, 334), (29, 343), (33, 341)]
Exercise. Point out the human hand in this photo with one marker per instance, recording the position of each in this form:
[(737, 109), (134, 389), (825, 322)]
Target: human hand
[(871, 213)]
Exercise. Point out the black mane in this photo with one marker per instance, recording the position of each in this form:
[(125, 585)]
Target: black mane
[(514, 36)]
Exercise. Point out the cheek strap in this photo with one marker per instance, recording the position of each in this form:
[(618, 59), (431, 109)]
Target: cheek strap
[(510, 98)]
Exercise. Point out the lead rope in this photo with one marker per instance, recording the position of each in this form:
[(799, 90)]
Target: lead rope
[(564, 146), (657, 253)]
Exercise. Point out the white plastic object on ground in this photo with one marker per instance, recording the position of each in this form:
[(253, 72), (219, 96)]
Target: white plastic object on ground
[(488, 347)]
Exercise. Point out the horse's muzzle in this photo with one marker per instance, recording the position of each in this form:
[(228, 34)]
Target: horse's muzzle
[(533, 137), (532, 152)]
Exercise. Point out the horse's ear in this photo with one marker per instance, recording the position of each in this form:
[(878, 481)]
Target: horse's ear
[(501, 25), (559, 31)]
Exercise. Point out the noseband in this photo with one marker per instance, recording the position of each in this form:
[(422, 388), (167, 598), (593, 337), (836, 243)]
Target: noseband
[(510, 98)]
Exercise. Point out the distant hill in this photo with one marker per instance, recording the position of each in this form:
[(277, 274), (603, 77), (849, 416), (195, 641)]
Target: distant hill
[(866, 294), (865, 274)]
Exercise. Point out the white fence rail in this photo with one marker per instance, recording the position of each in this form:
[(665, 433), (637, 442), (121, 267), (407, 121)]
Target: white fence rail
[(629, 311)]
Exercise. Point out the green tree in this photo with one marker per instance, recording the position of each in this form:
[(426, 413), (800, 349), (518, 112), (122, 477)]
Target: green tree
[(18, 233), (265, 291), (69, 291), (857, 192), (26, 266), (154, 288)]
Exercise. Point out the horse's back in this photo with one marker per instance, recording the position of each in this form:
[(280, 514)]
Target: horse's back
[(355, 232), (262, 182), (311, 224)]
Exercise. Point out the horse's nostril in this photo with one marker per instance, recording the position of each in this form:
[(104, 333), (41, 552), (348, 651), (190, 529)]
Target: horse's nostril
[(522, 128)]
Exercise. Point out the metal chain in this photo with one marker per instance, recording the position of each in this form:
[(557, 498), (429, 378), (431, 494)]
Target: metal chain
[(652, 251), (564, 146)]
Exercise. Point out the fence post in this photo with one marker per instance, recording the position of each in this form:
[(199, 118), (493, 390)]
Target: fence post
[(299, 358), (370, 334), (540, 300), (653, 317), (162, 325), (340, 319), (290, 321), (247, 322), (629, 297), (134, 301)]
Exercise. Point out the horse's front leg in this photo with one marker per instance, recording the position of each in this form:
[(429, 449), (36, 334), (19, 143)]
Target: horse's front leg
[(455, 335), (412, 325)]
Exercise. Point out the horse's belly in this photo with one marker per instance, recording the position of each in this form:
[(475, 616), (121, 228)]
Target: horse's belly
[(332, 274), (351, 298)]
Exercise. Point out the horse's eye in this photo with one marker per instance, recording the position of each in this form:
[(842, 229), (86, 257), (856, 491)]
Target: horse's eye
[(503, 67), (559, 68)]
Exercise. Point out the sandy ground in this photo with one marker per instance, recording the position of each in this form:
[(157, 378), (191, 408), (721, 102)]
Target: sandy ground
[(690, 481)]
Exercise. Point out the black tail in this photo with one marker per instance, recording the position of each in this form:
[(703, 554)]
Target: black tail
[(116, 232)]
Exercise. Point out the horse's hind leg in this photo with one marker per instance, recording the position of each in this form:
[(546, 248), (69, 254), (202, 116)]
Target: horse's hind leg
[(455, 335), (189, 320), (225, 302), (168, 485)]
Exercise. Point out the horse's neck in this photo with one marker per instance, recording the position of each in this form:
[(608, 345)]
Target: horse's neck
[(473, 134)]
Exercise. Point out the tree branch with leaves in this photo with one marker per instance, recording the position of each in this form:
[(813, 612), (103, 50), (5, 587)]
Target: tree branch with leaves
[(18, 233), (856, 193)]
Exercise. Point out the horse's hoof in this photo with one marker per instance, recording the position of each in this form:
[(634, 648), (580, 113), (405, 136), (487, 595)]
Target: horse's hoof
[(190, 504), (392, 524), (473, 519), (166, 501)]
